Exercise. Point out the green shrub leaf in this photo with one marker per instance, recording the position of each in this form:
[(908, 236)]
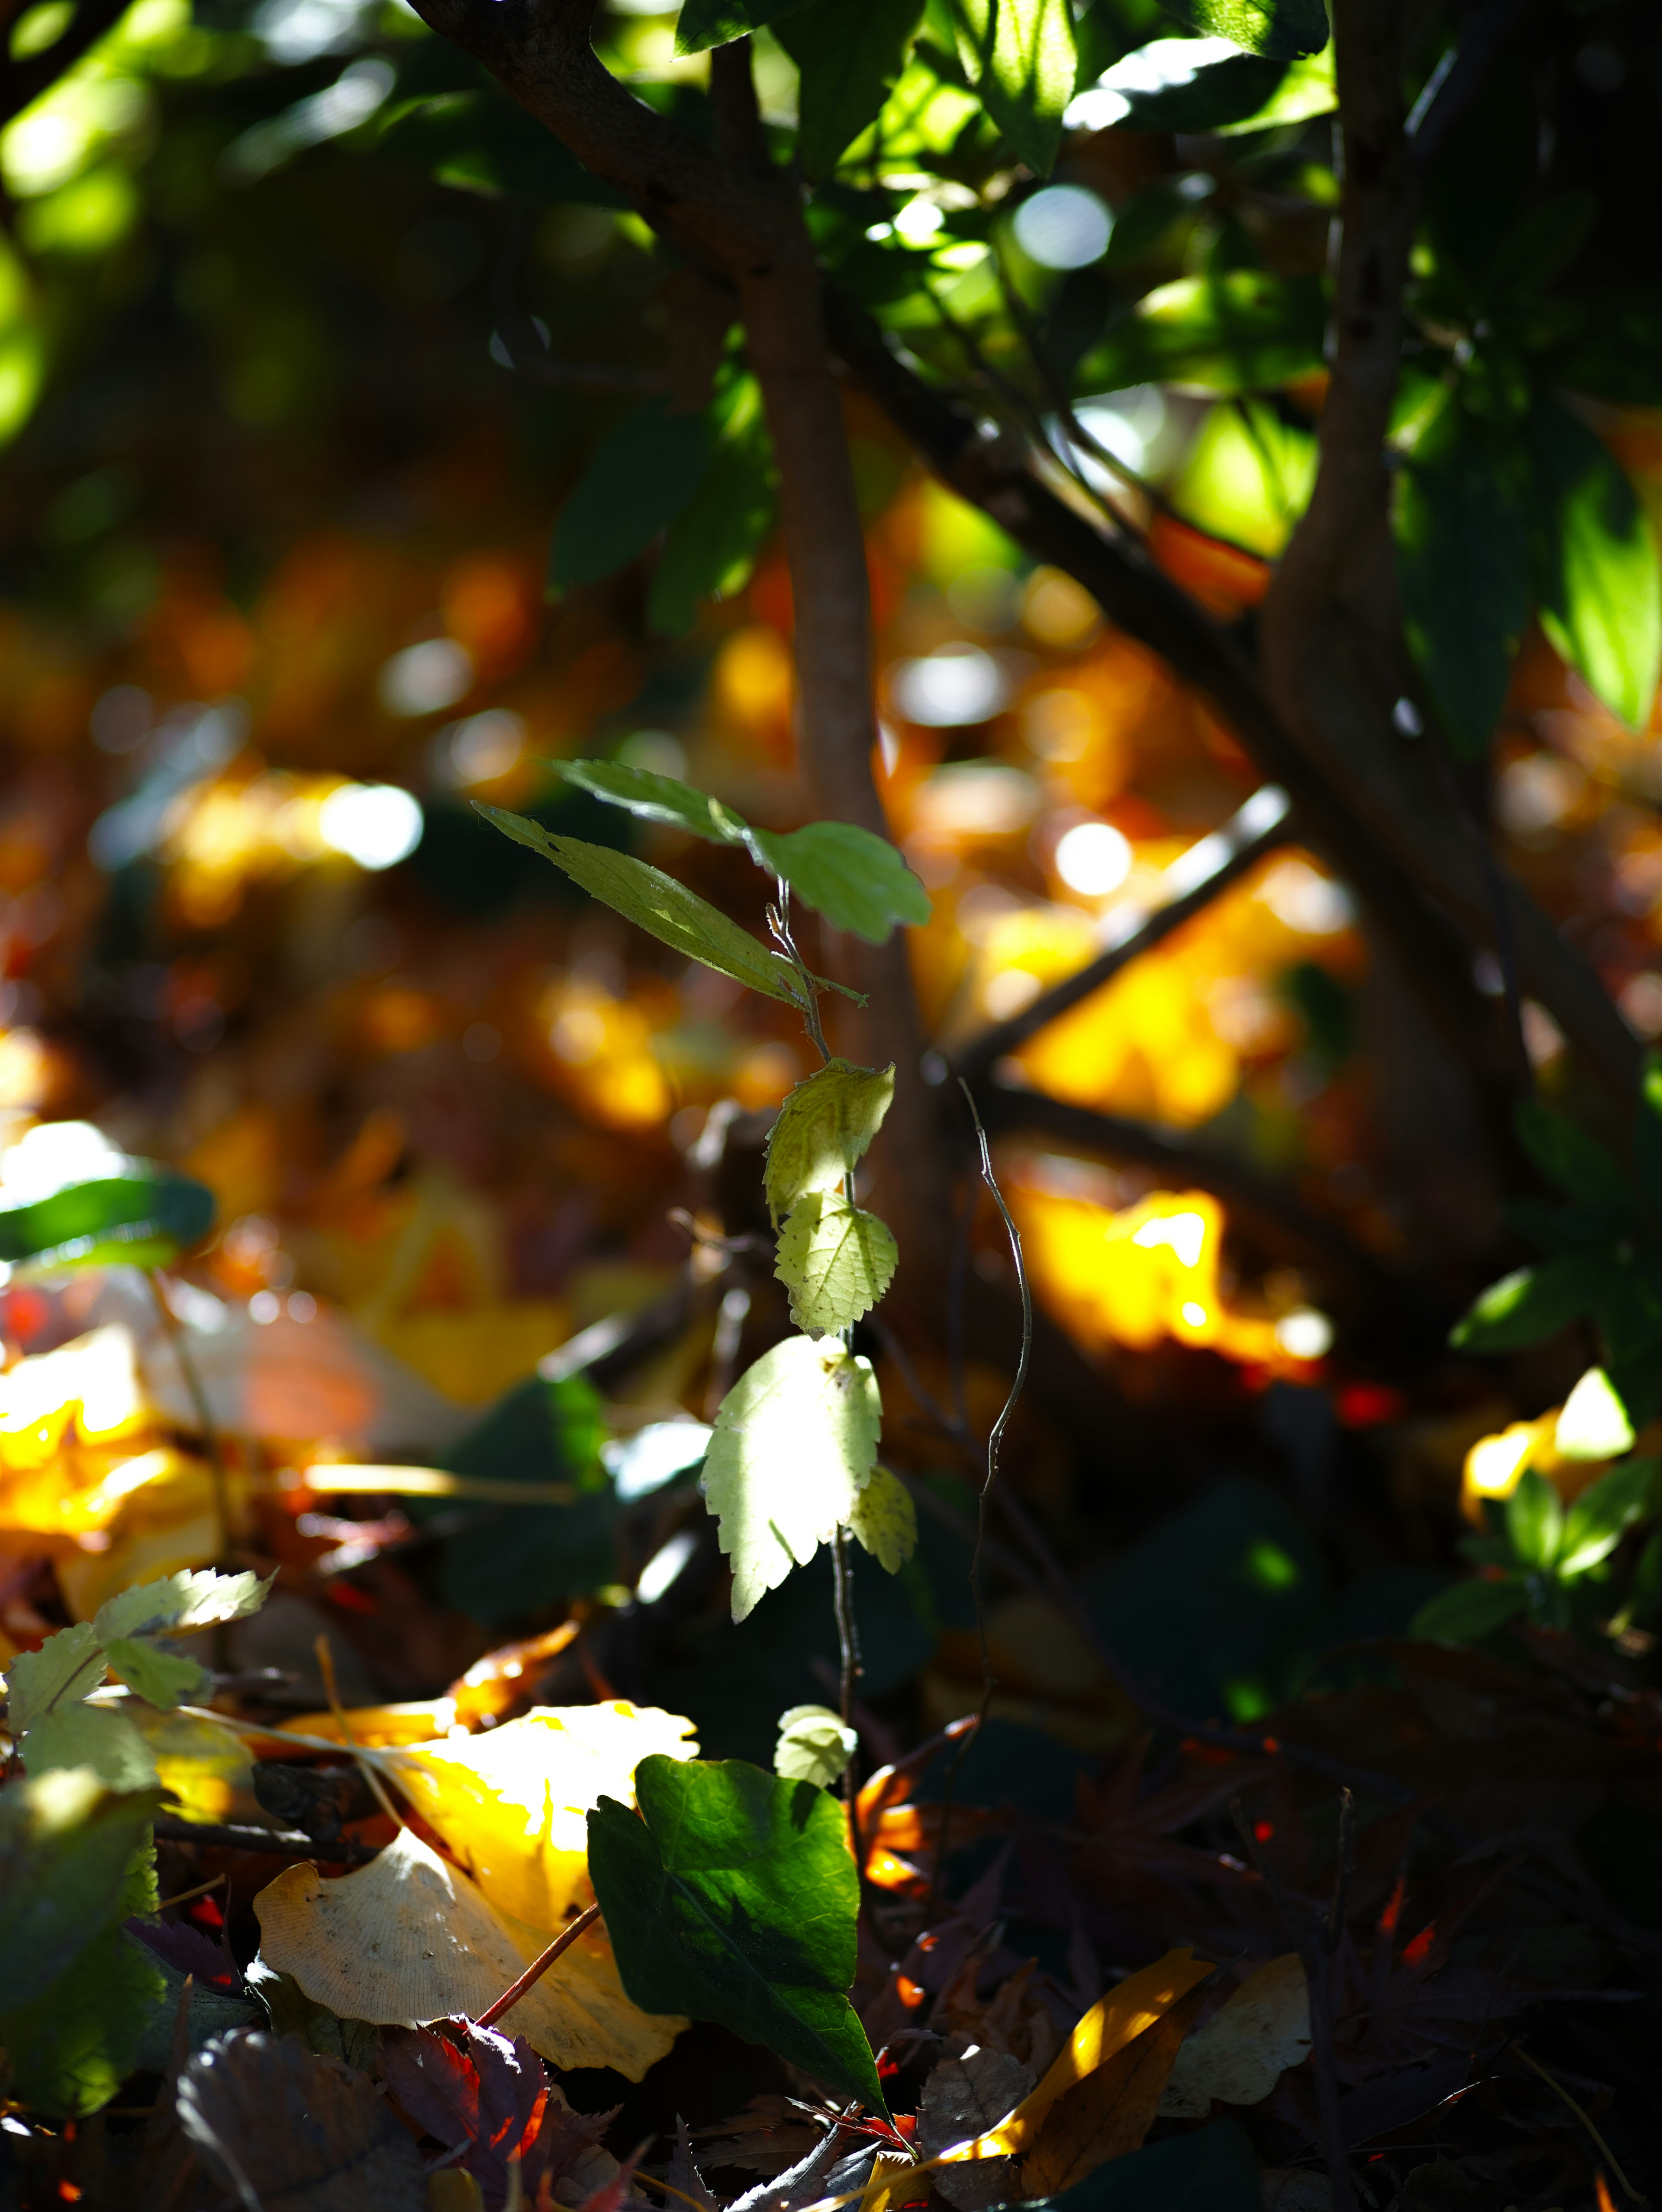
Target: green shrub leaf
[(853, 877), (163, 1679), (733, 1898), (1594, 1423), (1468, 1612), (1577, 1163), (143, 1218), (59, 1674), (836, 1260), (1283, 28), (794, 1442), (711, 546), (823, 1130), (1534, 1516), (654, 798), (706, 23), (1528, 1304), (181, 1602), (67, 1851), (1241, 329), (643, 473), (1020, 56), (849, 54), (1603, 1513)]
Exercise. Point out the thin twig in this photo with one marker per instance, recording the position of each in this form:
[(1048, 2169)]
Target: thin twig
[(1632, 2193), (325, 1659), (1343, 1868), (186, 1896), (539, 1967), (177, 1340), (271, 1843)]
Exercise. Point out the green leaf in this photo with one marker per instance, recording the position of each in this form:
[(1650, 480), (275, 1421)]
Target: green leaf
[(654, 798), (183, 1601), (1577, 1163), (823, 1130), (1284, 28), (1306, 90), (1020, 56), (795, 1442), (1598, 575), (1240, 330), (644, 471), (712, 544), (61, 1673), (734, 1899), (100, 1737), (1534, 1520), (884, 1520), (1594, 1424), (72, 2048), (850, 54), (706, 23), (1618, 356), (1603, 1514), (1463, 570), (1528, 1304), (482, 142), (162, 1678), (853, 877), (837, 1261), (143, 1218), (656, 902), (68, 1853), (1468, 1612), (1647, 1132), (813, 1746), (1171, 84)]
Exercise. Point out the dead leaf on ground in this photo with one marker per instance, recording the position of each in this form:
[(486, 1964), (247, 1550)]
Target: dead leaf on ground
[(288, 2131), (408, 1940), (1246, 2047), (963, 2097), (1110, 2111)]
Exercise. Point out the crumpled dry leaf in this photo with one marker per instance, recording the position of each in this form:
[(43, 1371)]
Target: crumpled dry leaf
[(409, 1939), (512, 1804), (1243, 2049), (963, 2098)]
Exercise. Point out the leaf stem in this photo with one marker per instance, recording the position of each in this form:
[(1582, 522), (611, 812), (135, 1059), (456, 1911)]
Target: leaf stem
[(539, 1967), (178, 1343)]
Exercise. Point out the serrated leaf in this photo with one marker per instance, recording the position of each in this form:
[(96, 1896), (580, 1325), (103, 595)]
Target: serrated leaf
[(794, 1442), (1528, 1304), (836, 1260), (735, 1898), (654, 798), (99, 1737), (706, 23), (656, 902), (143, 1218), (183, 1601), (69, 1853), (162, 1678), (1598, 576), (1603, 1513), (1022, 57), (1284, 28), (61, 1673), (643, 473), (1467, 1612), (1534, 1517), (856, 878), (884, 1520), (814, 1746), (823, 1130), (849, 55)]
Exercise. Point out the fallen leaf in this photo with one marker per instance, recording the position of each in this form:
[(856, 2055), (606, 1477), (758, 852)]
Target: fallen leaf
[(1246, 2047), (962, 2098), (1110, 2111), (410, 1939), (479, 2092), (288, 2131)]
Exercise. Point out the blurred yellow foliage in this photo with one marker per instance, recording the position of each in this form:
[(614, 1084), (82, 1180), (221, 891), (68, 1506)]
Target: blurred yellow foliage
[(598, 1051)]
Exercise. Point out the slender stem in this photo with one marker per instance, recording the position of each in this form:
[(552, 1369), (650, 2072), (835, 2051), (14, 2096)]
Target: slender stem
[(1553, 2082), (178, 1341), (539, 1967)]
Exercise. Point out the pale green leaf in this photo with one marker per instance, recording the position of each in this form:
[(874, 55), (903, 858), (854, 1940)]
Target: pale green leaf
[(183, 1601), (853, 877), (162, 1678), (654, 798), (97, 1736), (1022, 57), (1594, 1423), (1603, 1513), (794, 1442), (836, 1260), (1282, 28), (1534, 1520), (884, 1520), (921, 115), (656, 902), (822, 1130), (60, 1674), (850, 54), (814, 1746)]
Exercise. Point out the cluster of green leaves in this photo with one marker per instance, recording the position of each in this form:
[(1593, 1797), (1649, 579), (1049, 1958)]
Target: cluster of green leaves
[(77, 1995), (1604, 1251)]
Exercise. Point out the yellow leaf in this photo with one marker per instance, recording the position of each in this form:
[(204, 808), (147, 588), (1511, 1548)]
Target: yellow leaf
[(511, 1804), (375, 1726), (409, 1939), (1110, 2111)]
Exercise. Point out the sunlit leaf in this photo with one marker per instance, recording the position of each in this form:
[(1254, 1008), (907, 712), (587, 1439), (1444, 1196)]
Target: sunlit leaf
[(510, 1803), (143, 1218), (71, 2050), (814, 1746), (654, 798), (182, 1602), (1286, 28), (856, 878), (1177, 84), (69, 1850), (1598, 1519), (712, 544), (849, 53), (884, 1520), (1534, 1516), (823, 1130), (1241, 329), (706, 23), (656, 902), (1528, 1304), (836, 1260), (1106, 2116), (162, 1678), (1021, 58), (1597, 574), (100, 1737), (642, 474), (735, 1898), (66, 1666), (794, 1442), (1465, 1613), (1594, 1424), (410, 1939)]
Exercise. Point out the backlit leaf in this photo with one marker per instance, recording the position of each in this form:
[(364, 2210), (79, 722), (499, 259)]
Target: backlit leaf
[(849, 54), (884, 1520), (1467, 1612), (68, 1853), (1241, 329), (61, 1673), (836, 1260), (734, 1899), (712, 544), (1526, 1305), (795, 1439), (706, 23), (656, 902), (71, 2050), (143, 1218), (1286, 28), (853, 877), (1598, 1519), (823, 1130), (654, 798), (163, 1679), (642, 474), (1021, 58), (182, 1601), (1108, 2114), (1534, 1515), (814, 1746), (96, 1736), (1594, 1423)]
